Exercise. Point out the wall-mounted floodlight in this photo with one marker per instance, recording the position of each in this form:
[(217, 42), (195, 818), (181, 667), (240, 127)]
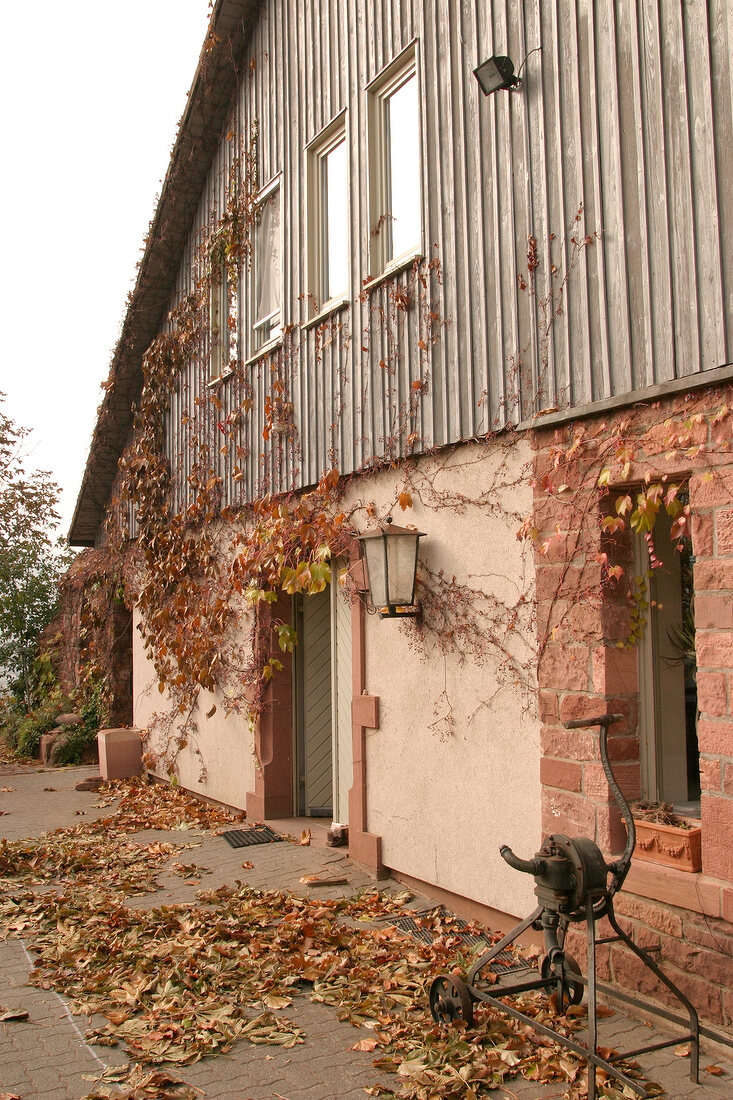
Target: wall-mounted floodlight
[(496, 73)]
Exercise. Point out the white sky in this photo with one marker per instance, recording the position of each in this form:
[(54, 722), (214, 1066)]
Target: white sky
[(90, 96)]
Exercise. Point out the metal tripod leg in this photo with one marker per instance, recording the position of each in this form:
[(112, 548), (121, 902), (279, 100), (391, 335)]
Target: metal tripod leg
[(649, 962), (590, 921)]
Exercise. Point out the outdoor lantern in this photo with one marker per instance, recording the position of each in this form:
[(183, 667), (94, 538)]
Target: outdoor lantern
[(391, 562), (496, 73)]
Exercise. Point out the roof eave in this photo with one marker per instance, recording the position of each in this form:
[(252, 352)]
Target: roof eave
[(207, 107)]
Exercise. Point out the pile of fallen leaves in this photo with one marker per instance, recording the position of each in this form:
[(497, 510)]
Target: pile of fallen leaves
[(149, 805), (178, 983), (50, 859)]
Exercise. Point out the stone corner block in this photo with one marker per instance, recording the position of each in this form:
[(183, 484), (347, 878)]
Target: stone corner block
[(120, 753)]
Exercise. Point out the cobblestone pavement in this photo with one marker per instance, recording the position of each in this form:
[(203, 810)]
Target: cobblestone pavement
[(46, 1057)]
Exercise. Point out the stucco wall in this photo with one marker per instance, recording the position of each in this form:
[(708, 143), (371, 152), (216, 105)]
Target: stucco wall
[(442, 797), (218, 760), (444, 801)]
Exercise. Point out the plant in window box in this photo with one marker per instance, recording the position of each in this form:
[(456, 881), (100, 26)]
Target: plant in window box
[(662, 836)]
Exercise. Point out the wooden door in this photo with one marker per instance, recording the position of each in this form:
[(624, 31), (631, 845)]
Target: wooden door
[(315, 718), (342, 693)]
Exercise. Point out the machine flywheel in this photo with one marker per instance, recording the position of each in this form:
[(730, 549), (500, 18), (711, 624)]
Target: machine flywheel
[(450, 1000)]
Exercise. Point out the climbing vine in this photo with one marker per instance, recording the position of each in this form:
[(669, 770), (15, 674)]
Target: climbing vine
[(209, 560), (203, 574), (602, 482)]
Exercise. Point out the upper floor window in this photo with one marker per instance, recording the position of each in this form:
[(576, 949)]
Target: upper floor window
[(266, 274), (328, 216), (395, 175)]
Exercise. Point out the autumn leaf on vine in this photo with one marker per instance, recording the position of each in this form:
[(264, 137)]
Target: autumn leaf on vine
[(672, 502), (286, 637), (680, 527), (405, 500)]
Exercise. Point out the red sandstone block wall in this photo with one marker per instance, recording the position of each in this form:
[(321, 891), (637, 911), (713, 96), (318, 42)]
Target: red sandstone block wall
[(695, 952), (583, 672)]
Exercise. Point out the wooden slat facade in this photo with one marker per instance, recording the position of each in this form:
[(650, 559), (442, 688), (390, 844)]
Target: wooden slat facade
[(625, 108)]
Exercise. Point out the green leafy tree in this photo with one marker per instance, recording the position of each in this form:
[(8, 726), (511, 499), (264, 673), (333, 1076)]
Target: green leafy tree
[(32, 557)]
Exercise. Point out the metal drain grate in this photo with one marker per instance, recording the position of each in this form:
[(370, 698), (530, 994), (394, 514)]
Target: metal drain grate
[(258, 834), (507, 963), (419, 928)]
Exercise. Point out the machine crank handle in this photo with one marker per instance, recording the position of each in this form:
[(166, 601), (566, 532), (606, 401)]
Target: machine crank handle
[(602, 720), (619, 867), (534, 866)]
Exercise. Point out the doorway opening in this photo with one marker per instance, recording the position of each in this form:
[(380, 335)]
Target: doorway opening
[(323, 771)]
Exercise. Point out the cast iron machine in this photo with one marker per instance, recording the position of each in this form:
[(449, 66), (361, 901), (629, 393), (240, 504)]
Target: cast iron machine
[(572, 885)]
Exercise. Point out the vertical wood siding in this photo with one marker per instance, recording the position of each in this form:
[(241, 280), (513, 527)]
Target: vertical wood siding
[(625, 111)]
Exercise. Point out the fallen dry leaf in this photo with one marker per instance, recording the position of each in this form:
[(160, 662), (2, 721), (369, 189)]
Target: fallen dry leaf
[(247, 865), (323, 880), (365, 1044), (715, 1070), (305, 837), (7, 790), (50, 788), (683, 1050), (13, 1014)]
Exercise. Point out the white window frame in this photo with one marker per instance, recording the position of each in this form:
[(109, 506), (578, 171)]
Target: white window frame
[(256, 349), (379, 91), (317, 153)]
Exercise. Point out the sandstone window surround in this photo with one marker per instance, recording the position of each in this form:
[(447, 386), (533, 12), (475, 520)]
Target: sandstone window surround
[(394, 125)]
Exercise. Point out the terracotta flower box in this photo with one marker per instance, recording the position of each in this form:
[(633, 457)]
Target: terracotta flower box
[(671, 845)]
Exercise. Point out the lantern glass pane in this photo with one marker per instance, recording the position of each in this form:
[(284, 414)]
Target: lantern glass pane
[(401, 554), (374, 553)]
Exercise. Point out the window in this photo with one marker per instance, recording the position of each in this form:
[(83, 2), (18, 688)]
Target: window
[(395, 175), (222, 319), (328, 217), (266, 324), (670, 761)]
